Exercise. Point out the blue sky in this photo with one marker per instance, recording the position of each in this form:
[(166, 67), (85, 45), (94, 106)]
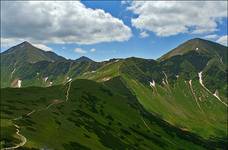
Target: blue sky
[(162, 31)]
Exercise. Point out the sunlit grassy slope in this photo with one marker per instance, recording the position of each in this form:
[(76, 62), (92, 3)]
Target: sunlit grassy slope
[(136, 104), (196, 109), (96, 116)]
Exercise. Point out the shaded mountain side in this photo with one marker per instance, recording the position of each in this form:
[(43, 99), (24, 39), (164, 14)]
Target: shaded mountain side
[(198, 55), (45, 73), (84, 59), (26, 52), (205, 47), (164, 89), (17, 61), (96, 116), (191, 64), (185, 105), (25, 65), (188, 64)]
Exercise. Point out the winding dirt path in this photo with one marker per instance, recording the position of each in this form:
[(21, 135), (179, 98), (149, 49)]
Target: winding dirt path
[(23, 138), (28, 114)]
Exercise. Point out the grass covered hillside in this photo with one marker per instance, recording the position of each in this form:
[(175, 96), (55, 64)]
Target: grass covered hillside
[(188, 90), (87, 115), (176, 102)]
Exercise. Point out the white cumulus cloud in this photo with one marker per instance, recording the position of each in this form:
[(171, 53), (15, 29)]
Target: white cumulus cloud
[(223, 40), (43, 47), (166, 18), (80, 51), (144, 34), (60, 22), (211, 36), (92, 50), (9, 42)]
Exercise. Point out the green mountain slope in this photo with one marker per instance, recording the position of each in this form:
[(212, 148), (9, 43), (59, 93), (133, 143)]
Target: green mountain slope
[(205, 47), (164, 89), (94, 116), (17, 62), (186, 88), (31, 66), (26, 52)]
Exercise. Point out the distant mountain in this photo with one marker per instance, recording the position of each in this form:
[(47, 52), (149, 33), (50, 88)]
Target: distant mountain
[(198, 45), (198, 55), (17, 63), (83, 58), (32, 65), (26, 52)]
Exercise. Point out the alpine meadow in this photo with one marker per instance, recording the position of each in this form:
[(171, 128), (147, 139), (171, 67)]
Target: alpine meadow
[(114, 75)]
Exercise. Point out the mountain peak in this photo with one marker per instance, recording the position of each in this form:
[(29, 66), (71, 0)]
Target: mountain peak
[(22, 48), (25, 44), (83, 58), (195, 45), (26, 52), (197, 39)]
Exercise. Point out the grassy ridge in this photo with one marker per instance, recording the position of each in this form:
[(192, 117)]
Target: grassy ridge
[(178, 106), (199, 112), (96, 116)]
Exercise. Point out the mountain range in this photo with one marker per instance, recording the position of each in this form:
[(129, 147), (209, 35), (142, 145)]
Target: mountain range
[(178, 101)]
